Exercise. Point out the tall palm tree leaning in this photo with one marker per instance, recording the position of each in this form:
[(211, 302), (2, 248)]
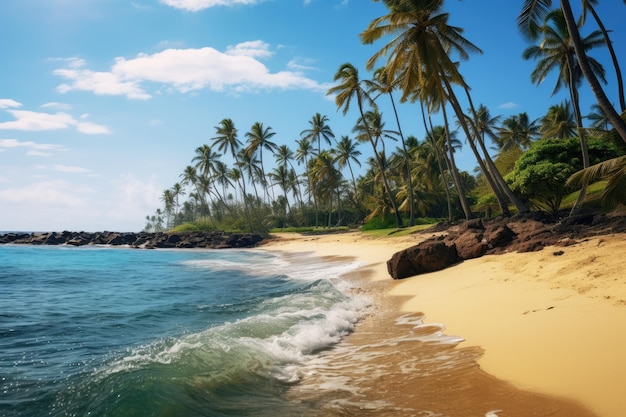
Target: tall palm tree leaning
[(555, 52), (530, 21), (588, 7), (418, 56), (349, 88)]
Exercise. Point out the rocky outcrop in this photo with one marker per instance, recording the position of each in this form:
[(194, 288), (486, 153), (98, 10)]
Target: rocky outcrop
[(477, 237), (430, 256), (209, 240)]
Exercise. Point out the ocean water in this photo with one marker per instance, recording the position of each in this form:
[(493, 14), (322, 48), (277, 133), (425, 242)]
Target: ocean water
[(98, 331)]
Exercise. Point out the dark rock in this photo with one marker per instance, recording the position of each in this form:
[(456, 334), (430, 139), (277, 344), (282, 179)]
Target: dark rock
[(428, 256), (528, 232), (137, 240), (499, 236), (469, 245)]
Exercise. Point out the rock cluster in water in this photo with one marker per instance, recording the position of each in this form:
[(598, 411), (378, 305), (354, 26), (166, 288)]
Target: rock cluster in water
[(144, 240)]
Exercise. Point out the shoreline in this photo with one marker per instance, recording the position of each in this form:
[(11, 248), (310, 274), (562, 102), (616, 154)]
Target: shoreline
[(549, 327)]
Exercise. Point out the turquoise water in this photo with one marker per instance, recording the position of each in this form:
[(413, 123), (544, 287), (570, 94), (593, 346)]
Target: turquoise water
[(120, 332)]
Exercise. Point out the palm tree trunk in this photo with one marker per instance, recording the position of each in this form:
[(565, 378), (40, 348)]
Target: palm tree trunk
[(609, 45), (618, 123), (497, 191), (454, 170), (380, 166), (583, 143), (491, 166), (438, 155), (406, 163)]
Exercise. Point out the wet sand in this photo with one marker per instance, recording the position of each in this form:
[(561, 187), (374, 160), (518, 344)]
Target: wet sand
[(527, 334)]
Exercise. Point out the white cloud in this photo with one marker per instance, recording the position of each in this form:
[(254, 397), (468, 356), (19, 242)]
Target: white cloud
[(33, 149), (56, 105), (6, 103), (508, 105), (302, 64), (90, 128), (35, 121), (237, 69), (197, 5), (100, 83), (70, 169), (50, 193), (252, 49), (27, 120)]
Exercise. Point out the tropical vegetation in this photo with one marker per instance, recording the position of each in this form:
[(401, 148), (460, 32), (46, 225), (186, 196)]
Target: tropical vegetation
[(248, 182)]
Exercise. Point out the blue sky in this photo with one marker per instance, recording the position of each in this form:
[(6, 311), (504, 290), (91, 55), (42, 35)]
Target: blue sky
[(103, 102)]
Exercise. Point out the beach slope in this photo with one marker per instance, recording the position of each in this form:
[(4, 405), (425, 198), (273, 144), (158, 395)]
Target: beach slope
[(551, 322)]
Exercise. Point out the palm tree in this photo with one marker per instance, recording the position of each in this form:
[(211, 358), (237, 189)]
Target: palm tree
[(226, 140), (326, 180), (441, 144), (599, 121), (177, 191), (346, 151), (372, 124), (559, 122), (251, 167), (588, 7), (284, 155), (304, 151), (516, 131), (205, 159), (557, 51), (190, 177), (349, 88), (208, 163), (319, 129), (530, 21), (259, 139), (418, 55), (382, 84), (280, 175), (168, 201)]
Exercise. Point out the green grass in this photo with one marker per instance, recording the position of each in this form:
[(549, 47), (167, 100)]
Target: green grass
[(311, 230), (592, 199), (395, 232)]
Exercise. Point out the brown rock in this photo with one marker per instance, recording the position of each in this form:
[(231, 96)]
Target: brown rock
[(428, 256)]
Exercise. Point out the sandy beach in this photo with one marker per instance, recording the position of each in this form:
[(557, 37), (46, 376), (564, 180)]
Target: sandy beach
[(544, 328)]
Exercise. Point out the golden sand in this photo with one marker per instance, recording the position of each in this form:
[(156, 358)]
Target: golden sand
[(545, 329)]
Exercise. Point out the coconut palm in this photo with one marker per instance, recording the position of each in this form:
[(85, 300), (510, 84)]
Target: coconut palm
[(258, 138), (556, 52), (168, 201), (350, 88), (588, 6), (599, 121), (177, 191), (319, 130), (382, 84), (326, 180), (227, 140), (530, 22), (516, 131), (303, 153), (559, 122), (280, 176), (205, 159), (419, 57), (346, 151)]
